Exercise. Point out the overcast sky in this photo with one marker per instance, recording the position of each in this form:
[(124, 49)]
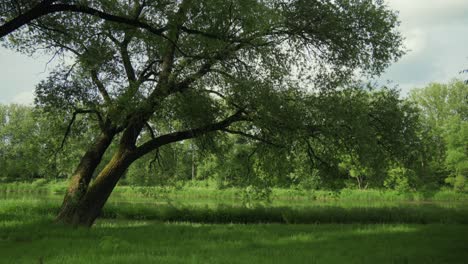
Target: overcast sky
[(436, 33)]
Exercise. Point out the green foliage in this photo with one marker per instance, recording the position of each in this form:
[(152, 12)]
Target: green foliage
[(348, 137), (457, 151), (445, 113), (200, 62), (458, 182), (400, 179), (18, 143), (30, 144), (169, 165)]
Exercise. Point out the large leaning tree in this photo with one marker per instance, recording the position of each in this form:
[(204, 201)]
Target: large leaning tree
[(190, 68)]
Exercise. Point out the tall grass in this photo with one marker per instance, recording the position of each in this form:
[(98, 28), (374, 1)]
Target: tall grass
[(206, 192), (339, 213), (205, 205)]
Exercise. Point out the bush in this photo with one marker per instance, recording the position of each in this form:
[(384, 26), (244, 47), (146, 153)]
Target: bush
[(458, 182), (39, 183), (399, 179)]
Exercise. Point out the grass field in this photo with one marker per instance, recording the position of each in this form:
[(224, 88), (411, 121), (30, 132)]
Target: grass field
[(209, 227), (157, 242)]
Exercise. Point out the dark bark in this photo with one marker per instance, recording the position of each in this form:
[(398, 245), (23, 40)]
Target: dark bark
[(186, 134), (25, 18), (83, 204), (90, 206), (82, 177), (47, 7)]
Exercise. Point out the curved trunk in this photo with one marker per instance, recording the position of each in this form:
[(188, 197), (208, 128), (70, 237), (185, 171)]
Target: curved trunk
[(81, 178), (100, 190), (83, 204)]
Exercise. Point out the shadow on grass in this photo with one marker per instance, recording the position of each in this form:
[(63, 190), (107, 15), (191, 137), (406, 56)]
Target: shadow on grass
[(417, 214)]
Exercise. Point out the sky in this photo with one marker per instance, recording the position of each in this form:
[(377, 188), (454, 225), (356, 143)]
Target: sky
[(436, 37), (435, 32)]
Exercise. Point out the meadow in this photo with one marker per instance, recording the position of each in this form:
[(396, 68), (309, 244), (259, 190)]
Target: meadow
[(197, 224)]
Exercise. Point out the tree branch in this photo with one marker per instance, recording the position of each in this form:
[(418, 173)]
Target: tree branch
[(312, 155), (150, 129), (47, 7), (147, 71), (263, 140), (228, 39), (129, 70), (186, 134), (72, 121), (222, 96), (101, 87), (206, 67)]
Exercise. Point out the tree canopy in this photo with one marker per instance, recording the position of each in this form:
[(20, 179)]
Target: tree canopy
[(206, 51), (444, 111), (174, 70)]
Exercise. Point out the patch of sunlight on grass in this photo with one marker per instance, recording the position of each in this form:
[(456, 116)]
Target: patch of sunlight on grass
[(385, 229), (122, 224), (302, 237)]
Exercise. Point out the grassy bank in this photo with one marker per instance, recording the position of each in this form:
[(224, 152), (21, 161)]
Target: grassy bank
[(16, 209), (205, 191), (204, 205), (201, 225)]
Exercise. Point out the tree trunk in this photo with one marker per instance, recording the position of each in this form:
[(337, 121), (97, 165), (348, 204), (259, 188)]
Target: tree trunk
[(80, 180), (87, 209), (193, 162), (83, 204), (359, 180), (102, 188)]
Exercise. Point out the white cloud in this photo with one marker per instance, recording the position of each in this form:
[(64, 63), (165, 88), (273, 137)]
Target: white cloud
[(19, 74), (430, 12), (415, 41), (24, 98), (436, 35)]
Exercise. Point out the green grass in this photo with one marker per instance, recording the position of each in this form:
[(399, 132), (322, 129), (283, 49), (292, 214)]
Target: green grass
[(192, 225), (205, 191), (203, 205), (343, 213), (158, 242)]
